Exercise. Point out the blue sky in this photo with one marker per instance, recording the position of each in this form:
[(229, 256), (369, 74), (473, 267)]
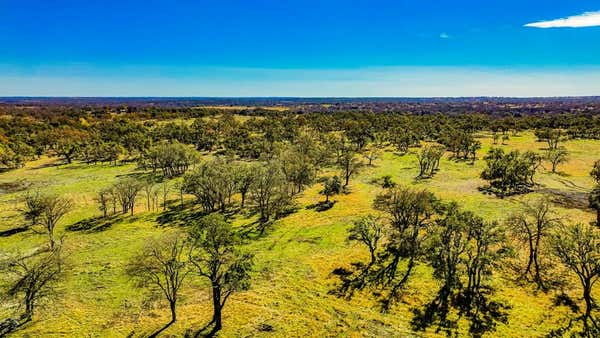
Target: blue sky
[(300, 48)]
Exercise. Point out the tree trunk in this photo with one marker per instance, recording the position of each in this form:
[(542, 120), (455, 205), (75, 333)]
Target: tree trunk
[(172, 305), (216, 290), (51, 237), (588, 305)]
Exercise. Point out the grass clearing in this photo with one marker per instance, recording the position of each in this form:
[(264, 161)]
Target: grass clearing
[(294, 260)]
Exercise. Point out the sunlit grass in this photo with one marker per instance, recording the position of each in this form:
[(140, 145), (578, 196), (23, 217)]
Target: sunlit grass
[(294, 260)]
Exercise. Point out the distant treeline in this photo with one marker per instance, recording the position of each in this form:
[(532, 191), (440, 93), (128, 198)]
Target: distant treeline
[(108, 133)]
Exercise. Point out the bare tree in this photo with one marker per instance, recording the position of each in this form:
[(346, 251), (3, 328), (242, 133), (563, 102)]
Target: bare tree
[(53, 210), (104, 198), (126, 191), (148, 188), (162, 265), (164, 187)]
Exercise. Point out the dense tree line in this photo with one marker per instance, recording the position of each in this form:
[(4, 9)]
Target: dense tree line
[(259, 165), (109, 134)]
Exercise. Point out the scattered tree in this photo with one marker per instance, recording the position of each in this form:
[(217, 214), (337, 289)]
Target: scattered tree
[(429, 160), (215, 256), (578, 248), (331, 186), (162, 265), (557, 156), (510, 173), (532, 227), (125, 191), (54, 208)]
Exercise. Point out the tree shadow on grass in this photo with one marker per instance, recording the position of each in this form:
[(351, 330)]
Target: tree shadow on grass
[(321, 206), (95, 224), (13, 231), (483, 314), (207, 331), (180, 216)]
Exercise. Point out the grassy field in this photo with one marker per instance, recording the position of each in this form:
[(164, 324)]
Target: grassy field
[(294, 260)]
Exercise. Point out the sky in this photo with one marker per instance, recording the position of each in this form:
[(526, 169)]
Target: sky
[(310, 48)]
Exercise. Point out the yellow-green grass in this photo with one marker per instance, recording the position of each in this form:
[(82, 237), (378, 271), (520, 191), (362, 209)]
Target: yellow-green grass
[(294, 260)]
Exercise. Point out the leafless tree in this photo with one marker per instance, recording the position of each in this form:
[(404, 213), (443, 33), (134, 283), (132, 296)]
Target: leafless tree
[(162, 265)]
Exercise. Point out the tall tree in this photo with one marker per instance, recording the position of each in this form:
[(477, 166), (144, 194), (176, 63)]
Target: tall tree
[(215, 257), (269, 191), (532, 227), (578, 248), (409, 213), (162, 264), (53, 210), (348, 163)]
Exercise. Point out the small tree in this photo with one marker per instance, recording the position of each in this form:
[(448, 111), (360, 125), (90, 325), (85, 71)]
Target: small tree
[(409, 213), (148, 189), (369, 231), (348, 163), (371, 154), (495, 137), (331, 186), (551, 136), (215, 257), (34, 206), (557, 156), (53, 210), (245, 178), (103, 198), (510, 173), (162, 265), (578, 248)]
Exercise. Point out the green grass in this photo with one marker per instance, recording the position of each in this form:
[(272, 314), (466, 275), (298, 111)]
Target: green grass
[(294, 260)]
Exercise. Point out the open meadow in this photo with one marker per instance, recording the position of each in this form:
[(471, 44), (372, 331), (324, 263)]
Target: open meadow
[(292, 279)]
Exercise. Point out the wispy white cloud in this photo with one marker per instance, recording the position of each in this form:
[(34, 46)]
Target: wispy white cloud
[(444, 36), (588, 19)]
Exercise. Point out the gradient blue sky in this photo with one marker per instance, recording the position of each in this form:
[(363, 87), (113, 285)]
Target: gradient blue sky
[(298, 48)]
